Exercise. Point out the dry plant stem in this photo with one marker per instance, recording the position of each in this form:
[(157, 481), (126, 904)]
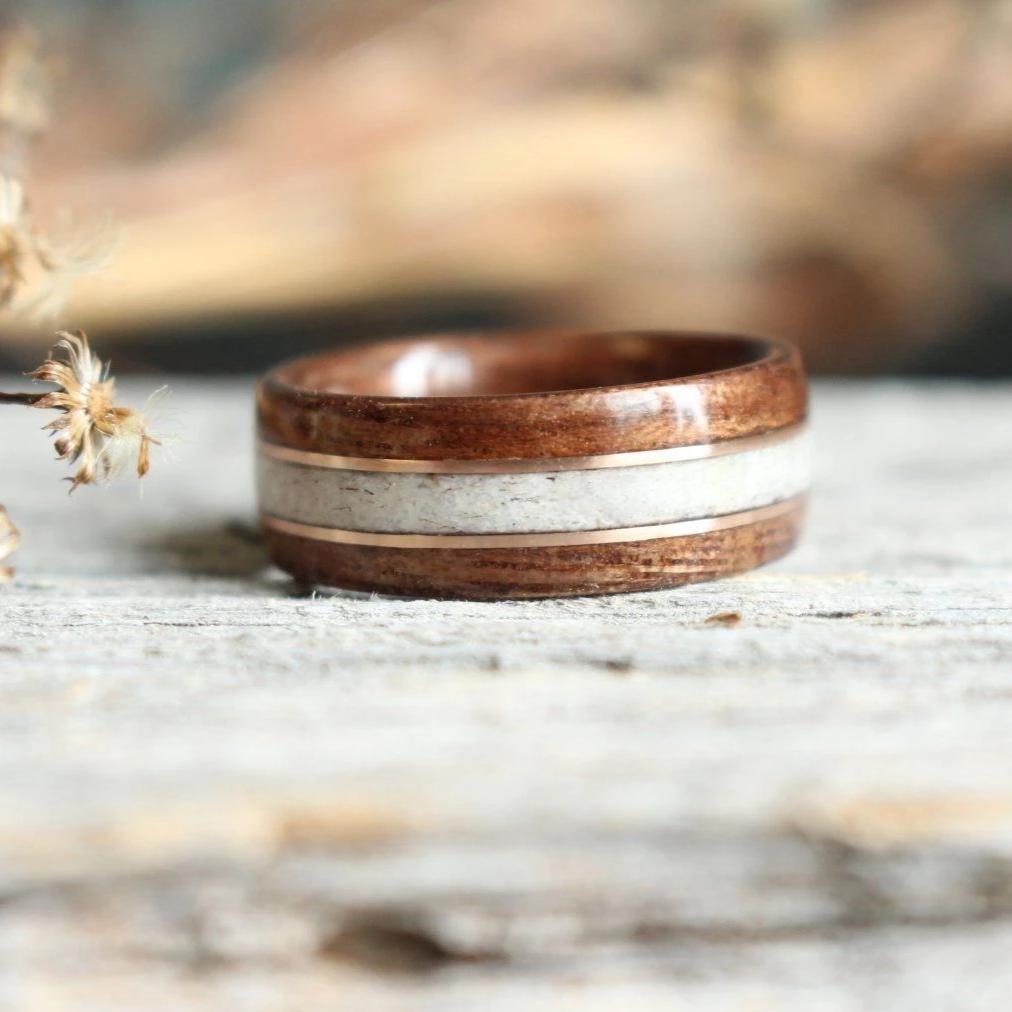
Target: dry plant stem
[(29, 400)]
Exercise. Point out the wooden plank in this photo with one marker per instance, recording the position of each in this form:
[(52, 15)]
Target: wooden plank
[(212, 784)]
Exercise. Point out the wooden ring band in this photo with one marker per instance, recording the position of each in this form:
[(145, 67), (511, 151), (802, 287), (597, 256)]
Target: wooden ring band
[(533, 463)]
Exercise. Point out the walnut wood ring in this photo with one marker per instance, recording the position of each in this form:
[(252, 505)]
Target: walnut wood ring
[(533, 464)]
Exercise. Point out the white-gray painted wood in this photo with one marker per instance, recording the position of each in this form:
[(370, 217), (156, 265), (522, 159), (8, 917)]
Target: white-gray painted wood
[(217, 792)]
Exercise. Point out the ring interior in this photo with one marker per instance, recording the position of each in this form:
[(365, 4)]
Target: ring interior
[(517, 364)]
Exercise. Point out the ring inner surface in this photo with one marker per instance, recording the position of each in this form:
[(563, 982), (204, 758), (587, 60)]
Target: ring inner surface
[(516, 364)]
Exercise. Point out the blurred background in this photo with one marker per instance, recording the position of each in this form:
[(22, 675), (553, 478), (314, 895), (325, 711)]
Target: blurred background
[(282, 176)]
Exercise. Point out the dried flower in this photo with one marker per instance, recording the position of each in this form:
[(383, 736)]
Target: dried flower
[(106, 439), (16, 244), (64, 259), (37, 271), (10, 538), (24, 82)]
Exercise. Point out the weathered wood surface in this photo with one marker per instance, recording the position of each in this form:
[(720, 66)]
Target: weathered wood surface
[(219, 791)]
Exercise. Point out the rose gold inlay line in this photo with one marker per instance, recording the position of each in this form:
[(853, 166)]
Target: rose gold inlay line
[(520, 465), (550, 539)]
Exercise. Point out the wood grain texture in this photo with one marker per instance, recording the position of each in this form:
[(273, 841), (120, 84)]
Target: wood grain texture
[(217, 792), (368, 420), (564, 571), (536, 395)]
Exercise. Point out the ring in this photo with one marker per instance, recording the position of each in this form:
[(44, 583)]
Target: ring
[(533, 464)]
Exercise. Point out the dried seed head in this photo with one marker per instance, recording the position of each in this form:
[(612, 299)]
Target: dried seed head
[(10, 538), (63, 259), (16, 244), (106, 439), (38, 270), (25, 81)]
